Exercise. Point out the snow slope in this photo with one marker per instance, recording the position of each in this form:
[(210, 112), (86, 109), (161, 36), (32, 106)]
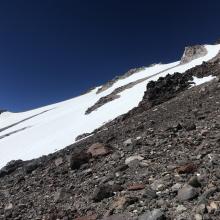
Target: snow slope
[(41, 131)]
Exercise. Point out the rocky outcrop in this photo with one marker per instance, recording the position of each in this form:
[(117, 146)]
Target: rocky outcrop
[(165, 88), (193, 52), (116, 93), (111, 82), (112, 96)]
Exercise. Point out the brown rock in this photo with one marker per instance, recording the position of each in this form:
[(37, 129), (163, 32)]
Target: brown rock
[(78, 159), (136, 186), (123, 202), (98, 149), (186, 168)]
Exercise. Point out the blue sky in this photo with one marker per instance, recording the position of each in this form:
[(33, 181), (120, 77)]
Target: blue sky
[(53, 50)]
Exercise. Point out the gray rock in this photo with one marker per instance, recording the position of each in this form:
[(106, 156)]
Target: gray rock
[(176, 187), (132, 158), (105, 191), (187, 193), (58, 161), (203, 198), (158, 185), (127, 142), (150, 194), (61, 195), (30, 167), (194, 182)]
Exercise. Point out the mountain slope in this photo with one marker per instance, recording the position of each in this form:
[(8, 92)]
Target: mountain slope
[(42, 131), (158, 161)]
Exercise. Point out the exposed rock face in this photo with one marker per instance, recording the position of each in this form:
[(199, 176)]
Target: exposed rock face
[(165, 88), (192, 53), (111, 82)]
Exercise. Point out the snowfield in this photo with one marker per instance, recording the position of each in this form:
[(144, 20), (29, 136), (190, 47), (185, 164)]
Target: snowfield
[(41, 131)]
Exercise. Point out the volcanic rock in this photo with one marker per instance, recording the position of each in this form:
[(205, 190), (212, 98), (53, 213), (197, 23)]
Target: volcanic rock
[(98, 149), (187, 193), (78, 159)]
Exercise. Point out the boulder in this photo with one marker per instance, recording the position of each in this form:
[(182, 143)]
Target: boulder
[(78, 159), (98, 149), (187, 193)]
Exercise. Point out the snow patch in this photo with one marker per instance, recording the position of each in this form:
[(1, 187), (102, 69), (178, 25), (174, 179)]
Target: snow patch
[(198, 81)]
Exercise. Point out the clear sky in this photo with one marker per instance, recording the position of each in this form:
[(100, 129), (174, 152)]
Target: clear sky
[(52, 50)]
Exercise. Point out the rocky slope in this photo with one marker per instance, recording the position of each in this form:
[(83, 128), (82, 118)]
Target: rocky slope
[(159, 161)]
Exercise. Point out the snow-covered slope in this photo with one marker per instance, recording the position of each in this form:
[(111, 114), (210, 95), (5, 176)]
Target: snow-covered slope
[(30, 134)]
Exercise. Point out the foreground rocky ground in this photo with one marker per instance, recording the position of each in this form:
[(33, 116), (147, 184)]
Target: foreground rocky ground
[(159, 161)]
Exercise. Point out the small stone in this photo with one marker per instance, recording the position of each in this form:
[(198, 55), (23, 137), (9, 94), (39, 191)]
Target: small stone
[(193, 181), (201, 209), (176, 187), (198, 217), (61, 195), (105, 191), (187, 168), (123, 202), (122, 168), (214, 158), (127, 142), (181, 208), (189, 126), (203, 198), (150, 194), (132, 158), (156, 214), (204, 132), (212, 207), (136, 186), (58, 161), (157, 185), (9, 207), (187, 193)]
